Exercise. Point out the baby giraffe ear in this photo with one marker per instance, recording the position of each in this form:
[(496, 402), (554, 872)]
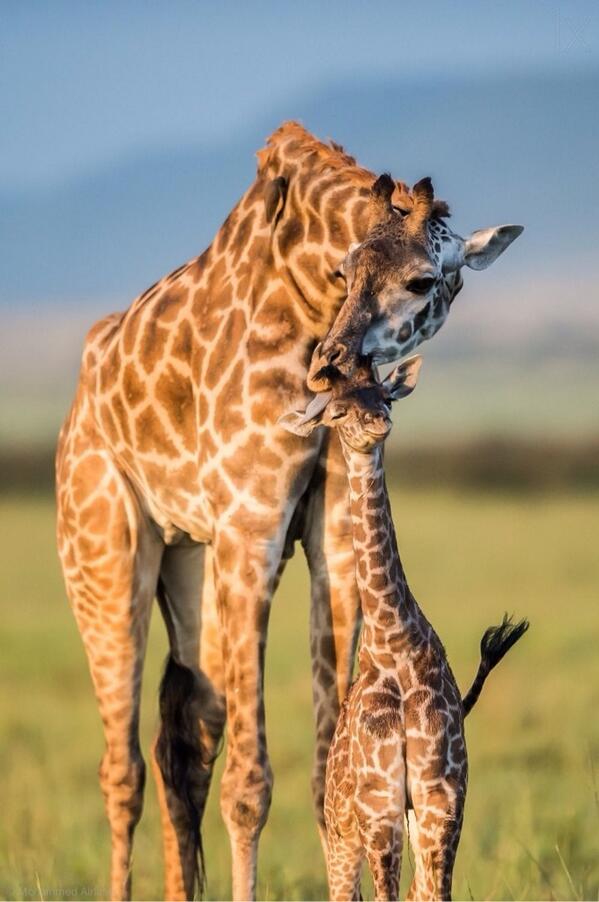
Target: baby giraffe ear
[(402, 380), (305, 423), (320, 375)]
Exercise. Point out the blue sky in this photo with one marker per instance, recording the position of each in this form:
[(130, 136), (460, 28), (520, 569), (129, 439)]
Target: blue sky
[(129, 129), (83, 84)]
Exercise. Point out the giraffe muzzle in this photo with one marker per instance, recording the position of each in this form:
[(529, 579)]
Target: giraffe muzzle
[(335, 355), (342, 355)]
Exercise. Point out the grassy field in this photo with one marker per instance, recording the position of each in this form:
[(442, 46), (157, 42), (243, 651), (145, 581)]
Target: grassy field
[(532, 818)]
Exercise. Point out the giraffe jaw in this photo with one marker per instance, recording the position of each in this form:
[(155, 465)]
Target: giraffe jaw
[(385, 344), (390, 343)]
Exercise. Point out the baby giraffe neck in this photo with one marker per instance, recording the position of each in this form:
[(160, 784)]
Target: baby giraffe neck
[(389, 610)]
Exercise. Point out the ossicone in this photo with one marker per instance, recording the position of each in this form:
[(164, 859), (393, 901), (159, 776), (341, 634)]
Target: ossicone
[(381, 192)]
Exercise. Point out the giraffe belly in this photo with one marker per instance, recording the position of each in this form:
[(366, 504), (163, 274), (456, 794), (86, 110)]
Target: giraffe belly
[(172, 535), (178, 513), (180, 527)]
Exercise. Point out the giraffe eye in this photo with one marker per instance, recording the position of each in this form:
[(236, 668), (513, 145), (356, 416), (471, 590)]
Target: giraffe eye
[(421, 286)]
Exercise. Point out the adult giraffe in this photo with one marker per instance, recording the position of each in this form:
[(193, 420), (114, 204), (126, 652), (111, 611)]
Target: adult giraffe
[(174, 479)]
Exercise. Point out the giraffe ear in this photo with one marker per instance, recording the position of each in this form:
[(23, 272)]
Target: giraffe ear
[(483, 247), (275, 195), (305, 423), (401, 382)]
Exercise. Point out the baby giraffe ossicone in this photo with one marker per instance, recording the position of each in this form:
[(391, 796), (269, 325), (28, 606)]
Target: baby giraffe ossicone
[(399, 742)]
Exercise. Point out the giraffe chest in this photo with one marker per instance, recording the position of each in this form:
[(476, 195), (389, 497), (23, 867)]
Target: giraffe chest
[(187, 391), (210, 449)]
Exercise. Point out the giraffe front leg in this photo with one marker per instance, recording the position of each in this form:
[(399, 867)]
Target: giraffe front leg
[(246, 569), (335, 614), (110, 557)]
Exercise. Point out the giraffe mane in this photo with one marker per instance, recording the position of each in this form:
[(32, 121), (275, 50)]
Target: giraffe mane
[(299, 143), (292, 140)]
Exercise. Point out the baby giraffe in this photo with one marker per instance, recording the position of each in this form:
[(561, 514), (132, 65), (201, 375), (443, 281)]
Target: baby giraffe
[(399, 742)]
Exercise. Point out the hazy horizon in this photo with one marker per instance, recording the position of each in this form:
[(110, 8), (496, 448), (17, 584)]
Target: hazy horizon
[(132, 131)]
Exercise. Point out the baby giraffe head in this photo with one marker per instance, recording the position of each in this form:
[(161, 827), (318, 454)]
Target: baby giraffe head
[(356, 405)]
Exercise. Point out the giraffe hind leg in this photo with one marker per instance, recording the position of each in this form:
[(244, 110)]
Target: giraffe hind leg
[(110, 557), (380, 807), (385, 871), (434, 841)]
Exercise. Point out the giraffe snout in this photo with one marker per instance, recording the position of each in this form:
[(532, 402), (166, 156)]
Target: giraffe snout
[(339, 355)]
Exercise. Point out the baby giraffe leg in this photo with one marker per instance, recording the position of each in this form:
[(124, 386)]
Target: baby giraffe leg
[(383, 853), (434, 827), (380, 794)]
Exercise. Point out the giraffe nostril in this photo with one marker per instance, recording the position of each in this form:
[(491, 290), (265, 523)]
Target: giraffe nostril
[(335, 354), (405, 332)]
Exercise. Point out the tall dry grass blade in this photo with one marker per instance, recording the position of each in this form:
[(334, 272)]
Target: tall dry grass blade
[(593, 778), (576, 894), (541, 869), (512, 894)]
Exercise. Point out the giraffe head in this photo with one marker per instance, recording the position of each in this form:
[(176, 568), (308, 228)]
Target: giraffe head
[(402, 279), (357, 405)]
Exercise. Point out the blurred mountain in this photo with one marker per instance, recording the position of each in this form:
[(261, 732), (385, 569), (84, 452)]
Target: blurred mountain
[(517, 149), (519, 351)]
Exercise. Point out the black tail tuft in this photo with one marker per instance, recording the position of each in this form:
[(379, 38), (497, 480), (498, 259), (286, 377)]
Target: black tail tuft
[(179, 750), (498, 640), (494, 645)]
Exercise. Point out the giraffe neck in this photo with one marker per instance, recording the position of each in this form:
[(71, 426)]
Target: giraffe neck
[(325, 210), (392, 619), (310, 246)]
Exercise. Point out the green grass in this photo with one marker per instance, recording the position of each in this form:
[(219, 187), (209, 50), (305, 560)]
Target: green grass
[(532, 817)]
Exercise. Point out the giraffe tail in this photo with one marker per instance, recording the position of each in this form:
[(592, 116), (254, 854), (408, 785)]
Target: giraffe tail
[(179, 750), (494, 645), (189, 710)]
